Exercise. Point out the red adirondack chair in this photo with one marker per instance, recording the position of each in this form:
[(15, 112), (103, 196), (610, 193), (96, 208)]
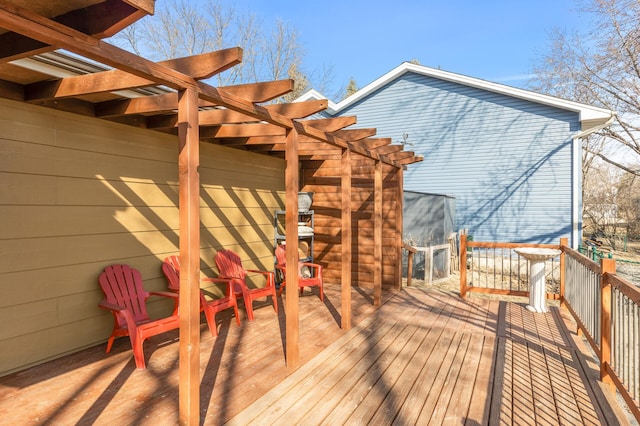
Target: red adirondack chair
[(126, 298), (230, 266), (309, 274), (171, 270)]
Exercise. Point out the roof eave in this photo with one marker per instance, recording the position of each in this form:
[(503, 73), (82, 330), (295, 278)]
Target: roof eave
[(589, 116)]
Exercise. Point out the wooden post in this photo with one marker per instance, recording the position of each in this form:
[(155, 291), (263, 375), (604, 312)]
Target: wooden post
[(399, 224), (377, 234), (189, 199), (292, 310), (607, 266), (564, 242), (463, 265), (346, 232), (410, 253)]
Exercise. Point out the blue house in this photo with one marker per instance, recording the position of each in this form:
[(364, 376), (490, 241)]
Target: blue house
[(510, 157)]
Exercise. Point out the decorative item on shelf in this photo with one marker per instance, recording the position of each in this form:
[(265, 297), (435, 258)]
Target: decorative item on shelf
[(304, 230), (304, 201)]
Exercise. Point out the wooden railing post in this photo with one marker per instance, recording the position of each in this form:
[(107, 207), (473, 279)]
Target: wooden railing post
[(564, 242), (463, 265), (410, 252), (607, 266)]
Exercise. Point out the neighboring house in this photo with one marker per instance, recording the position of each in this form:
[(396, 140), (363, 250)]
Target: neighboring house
[(510, 157)]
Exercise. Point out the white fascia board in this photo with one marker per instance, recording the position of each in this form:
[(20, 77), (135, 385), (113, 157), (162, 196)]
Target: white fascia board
[(589, 115)]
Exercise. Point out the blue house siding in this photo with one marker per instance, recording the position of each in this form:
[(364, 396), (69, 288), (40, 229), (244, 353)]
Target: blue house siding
[(508, 161)]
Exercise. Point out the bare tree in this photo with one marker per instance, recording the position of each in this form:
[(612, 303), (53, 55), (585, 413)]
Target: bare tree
[(182, 28), (601, 66)]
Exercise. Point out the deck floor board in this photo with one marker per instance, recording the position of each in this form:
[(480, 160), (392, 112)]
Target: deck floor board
[(424, 357)]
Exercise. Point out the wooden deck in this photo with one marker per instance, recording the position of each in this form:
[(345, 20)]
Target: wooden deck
[(424, 357)]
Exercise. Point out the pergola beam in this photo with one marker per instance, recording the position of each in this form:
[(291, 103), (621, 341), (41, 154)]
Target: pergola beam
[(332, 124), (169, 102), (352, 135), (198, 67), (401, 155), (410, 160), (388, 149), (372, 144), (298, 109), (99, 20)]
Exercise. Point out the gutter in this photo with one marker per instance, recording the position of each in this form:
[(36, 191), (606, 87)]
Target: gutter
[(576, 205)]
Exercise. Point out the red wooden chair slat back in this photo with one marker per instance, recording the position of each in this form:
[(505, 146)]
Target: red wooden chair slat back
[(122, 286), (171, 269), (230, 265), (281, 255)]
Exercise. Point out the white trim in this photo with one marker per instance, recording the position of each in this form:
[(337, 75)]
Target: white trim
[(576, 189), (590, 116)]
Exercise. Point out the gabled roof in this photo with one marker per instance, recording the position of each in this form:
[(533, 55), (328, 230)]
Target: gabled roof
[(591, 118)]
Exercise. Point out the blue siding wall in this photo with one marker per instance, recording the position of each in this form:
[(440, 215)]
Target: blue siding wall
[(507, 161)]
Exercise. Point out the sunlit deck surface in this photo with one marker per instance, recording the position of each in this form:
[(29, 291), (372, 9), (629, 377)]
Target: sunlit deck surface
[(424, 357)]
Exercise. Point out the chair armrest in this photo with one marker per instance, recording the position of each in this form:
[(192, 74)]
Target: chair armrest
[(120, 311), (111, 306), (164, 294), (259, 272), (269, 275), (216, 280)]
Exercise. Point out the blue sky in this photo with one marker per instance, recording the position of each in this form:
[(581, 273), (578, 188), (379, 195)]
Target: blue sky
[(496, 40)]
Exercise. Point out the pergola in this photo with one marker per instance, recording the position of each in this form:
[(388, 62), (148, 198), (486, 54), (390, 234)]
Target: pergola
[(175, 100)]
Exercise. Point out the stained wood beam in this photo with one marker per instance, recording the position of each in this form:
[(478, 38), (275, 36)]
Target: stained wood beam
[(345, 238), (292, 308), (298, 109), (189, 212), (410, 160), (395, 156), (388, 149), (98, 20), (354, 134), (169, 102), (377, 234), (198, 67), (247, 130), (142, 105), (372, 143), (309, 147), (261, 92), (256, 92), (10, 90), (212, 117), (332, 124), (252, 140)]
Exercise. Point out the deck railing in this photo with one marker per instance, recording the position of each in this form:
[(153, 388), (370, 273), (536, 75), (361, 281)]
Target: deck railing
[(489, 267), (606, 307)]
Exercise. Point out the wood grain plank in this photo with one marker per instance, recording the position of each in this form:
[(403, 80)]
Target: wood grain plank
[(426, 386), (459, 403), (390, 406), (385, 373), (482, 396)]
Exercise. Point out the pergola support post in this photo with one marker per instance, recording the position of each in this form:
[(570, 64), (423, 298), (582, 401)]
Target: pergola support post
[(292, 184), (345, 182), (189, 199), (399, 225), (377, 234)]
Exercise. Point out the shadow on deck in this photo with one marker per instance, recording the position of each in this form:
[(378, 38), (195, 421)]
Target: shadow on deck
[(425, 356)]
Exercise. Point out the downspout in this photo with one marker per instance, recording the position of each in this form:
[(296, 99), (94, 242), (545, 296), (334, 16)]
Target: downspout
[(576, 196)]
